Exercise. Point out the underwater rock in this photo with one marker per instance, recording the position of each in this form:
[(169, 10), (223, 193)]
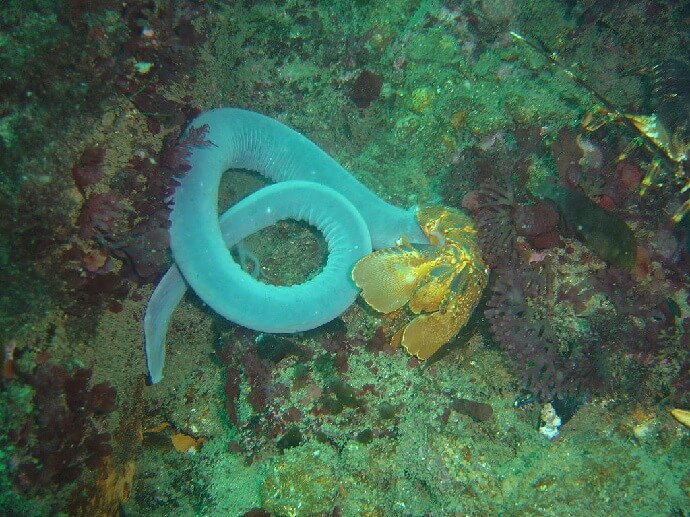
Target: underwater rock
[(301, 482)]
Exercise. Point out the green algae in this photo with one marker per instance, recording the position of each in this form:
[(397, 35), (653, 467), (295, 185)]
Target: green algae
[(434, 46)]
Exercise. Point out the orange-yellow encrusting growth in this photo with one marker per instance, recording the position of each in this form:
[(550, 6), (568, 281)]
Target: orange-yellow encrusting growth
[(440, 283)]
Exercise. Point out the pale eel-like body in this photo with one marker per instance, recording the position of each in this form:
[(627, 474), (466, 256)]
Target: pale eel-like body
[(310, 186)]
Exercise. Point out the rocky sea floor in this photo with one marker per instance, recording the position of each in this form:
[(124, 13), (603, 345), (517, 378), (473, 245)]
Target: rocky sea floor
[(555, 398)]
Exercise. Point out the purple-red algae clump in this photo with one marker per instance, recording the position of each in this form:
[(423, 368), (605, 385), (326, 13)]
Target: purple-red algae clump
[(62, 434), (88, 169), (366, 88)]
